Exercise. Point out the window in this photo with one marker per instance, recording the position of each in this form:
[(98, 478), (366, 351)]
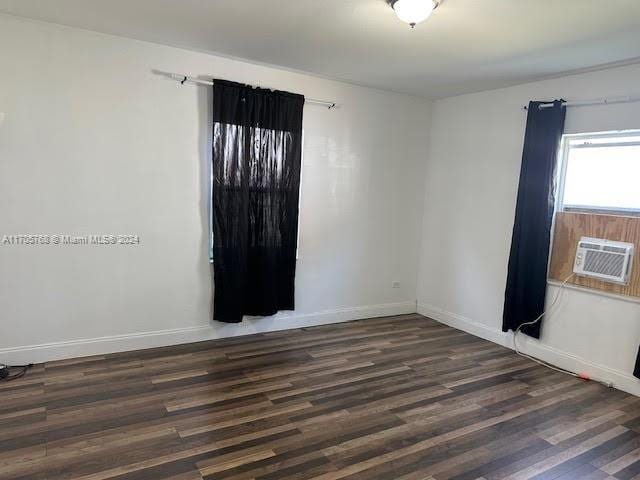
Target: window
[(210, 198), (599, 173)]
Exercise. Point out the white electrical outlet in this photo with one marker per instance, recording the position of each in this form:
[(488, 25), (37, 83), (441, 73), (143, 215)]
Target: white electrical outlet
[(395, 284)]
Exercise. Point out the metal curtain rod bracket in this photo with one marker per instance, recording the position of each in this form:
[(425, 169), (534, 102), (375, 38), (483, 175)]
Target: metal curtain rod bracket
[(197, 81)]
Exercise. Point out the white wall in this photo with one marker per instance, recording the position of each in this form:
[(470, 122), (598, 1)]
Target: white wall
[(94, 143), (470, 194)]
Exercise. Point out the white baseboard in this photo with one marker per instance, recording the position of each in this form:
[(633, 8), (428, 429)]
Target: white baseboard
[(466, 324), (620, 380), (121, 343), (284, 321)]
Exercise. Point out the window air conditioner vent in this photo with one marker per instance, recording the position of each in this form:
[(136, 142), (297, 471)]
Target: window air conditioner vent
[(614, 249), (604, 259)]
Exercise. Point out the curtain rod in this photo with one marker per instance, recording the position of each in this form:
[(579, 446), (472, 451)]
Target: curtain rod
[(186, 78), (599, 101)]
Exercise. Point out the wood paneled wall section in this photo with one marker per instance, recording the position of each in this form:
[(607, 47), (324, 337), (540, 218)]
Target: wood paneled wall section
[(568, 230)]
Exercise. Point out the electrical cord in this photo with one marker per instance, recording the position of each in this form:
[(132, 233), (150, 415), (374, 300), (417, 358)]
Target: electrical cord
[(5, 371), (582, 376)]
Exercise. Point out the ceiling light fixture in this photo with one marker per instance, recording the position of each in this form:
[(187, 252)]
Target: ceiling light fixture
[(414, 11)]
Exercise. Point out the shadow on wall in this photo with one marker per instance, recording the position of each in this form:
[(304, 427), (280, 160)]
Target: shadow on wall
[(204, 98), (205, 142)]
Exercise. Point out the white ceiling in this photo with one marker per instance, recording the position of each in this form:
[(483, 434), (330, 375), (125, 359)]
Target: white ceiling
[(466, 46)]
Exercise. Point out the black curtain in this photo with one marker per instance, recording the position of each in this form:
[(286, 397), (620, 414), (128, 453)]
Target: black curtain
[(257, 143), (528, 261)]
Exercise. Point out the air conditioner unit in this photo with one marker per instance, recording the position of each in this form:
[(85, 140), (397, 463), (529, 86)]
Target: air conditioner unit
[(605, 260)]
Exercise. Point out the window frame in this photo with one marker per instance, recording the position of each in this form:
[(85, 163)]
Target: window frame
[(563, 156)]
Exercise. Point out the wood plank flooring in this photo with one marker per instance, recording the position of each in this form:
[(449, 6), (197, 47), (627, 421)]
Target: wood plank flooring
[(401, 398)]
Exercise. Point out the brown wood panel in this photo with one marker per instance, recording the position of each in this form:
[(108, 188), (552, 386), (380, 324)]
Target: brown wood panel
[(570, 227), (397, 398)]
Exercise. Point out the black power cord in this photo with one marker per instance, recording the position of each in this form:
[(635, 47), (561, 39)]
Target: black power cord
[(6, 375)]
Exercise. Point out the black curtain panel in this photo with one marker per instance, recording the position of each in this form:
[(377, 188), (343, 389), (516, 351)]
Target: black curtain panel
[(528, 261), (257, 145)]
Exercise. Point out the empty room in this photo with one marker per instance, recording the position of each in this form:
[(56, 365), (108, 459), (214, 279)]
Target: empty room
[(319, 239)]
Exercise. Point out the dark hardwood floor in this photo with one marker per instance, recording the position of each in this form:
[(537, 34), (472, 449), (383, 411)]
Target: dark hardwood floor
[(401, 398)]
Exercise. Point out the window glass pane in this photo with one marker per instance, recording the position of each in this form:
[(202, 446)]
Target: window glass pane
[(603, 176)]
